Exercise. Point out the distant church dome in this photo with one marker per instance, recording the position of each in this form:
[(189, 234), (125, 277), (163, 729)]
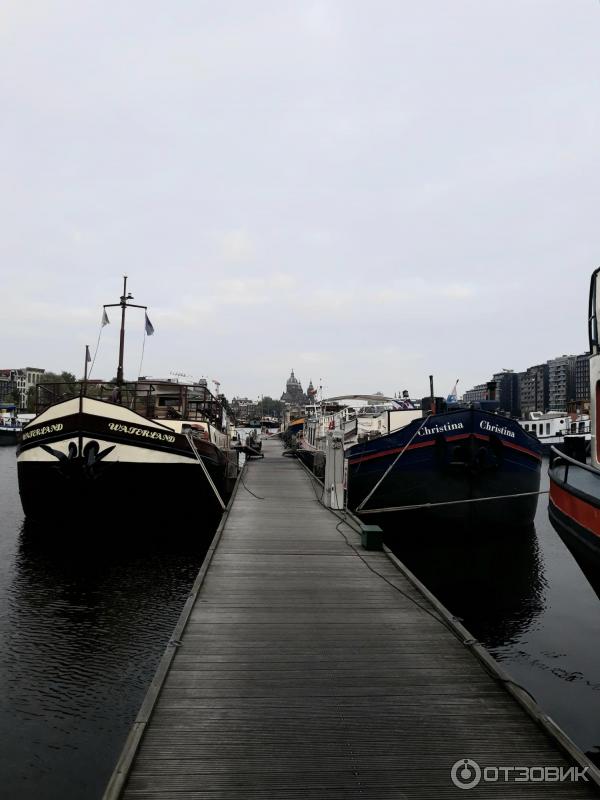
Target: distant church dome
[(293, 392), (293, 383)]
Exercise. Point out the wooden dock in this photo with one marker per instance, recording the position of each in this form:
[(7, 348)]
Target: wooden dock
[(307, 668)]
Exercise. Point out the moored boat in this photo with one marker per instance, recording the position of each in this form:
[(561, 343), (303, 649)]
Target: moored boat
[(354, 418), (553, 427), (10, 424), (468, 467), (8, 432), (574, 503), (145, 450)]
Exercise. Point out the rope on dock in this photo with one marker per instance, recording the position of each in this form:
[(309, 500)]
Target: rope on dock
[(453, 624), (243, 482), (450, 502)]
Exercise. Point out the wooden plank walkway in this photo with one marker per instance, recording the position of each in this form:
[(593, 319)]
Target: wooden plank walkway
[(312, 669)]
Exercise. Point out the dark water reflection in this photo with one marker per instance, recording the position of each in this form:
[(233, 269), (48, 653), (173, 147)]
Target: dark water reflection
[(524, 596), (82, 627)]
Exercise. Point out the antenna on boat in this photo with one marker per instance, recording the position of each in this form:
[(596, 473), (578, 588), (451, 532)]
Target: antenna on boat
[(123, 305)]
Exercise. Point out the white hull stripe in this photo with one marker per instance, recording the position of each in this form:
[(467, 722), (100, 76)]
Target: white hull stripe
[(118, 453)]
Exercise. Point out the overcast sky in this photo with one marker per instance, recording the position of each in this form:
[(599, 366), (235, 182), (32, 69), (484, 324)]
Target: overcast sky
[(368, 192)]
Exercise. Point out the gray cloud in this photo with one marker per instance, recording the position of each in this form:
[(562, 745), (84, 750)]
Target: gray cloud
[(371, 192)]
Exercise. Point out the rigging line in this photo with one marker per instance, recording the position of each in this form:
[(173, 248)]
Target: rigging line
[(143, 348), (96, 350)]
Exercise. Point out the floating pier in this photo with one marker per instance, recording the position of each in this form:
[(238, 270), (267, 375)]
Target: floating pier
[(305, 667)]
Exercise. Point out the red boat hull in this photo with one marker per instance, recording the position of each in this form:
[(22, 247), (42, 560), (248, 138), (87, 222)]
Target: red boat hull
[(576, 516)]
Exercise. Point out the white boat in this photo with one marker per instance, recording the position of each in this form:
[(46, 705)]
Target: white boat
[(551, 427), (354, 418), (9, 428)]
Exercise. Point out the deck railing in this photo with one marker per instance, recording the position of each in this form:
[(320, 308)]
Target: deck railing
[(150, 399), (559, 459)]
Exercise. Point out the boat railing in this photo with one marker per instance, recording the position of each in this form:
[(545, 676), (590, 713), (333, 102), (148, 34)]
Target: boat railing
[(559, 459), (150, 399)]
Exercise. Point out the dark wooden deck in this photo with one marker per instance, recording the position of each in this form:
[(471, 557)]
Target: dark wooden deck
[(312, 669)]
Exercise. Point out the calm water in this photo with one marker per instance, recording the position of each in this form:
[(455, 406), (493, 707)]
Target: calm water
[(526, 599), (82, 628)]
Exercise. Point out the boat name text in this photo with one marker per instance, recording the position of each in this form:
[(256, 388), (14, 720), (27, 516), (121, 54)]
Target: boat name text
[(133, 431), (58, 426), (448, 426), (488, 426)]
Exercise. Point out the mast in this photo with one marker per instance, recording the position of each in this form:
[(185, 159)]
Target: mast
[(122, 336), (123, 304)]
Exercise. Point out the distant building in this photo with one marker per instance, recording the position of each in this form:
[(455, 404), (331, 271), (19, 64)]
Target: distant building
[(244, 408), (293, 392), (15, 382), (28, 378), (476, 394), (582, 382), (8, 386), (533, 389), (507, 392), (561, 383)]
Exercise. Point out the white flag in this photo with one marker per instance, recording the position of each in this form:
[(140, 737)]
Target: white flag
[(105, 319)]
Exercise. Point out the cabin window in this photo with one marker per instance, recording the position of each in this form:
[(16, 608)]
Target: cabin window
[(526, 427), (533, 428), (547, 427)]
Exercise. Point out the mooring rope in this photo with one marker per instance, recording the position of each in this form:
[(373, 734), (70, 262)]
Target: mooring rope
[(452, 502), (391, 466), (188, 436)]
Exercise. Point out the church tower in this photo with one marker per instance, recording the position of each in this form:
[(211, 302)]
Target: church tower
[(293, 392)]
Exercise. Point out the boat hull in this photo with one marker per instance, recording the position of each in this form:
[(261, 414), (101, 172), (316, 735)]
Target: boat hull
[(574, 508), (448, 459), (136, 493), (95, 461)]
